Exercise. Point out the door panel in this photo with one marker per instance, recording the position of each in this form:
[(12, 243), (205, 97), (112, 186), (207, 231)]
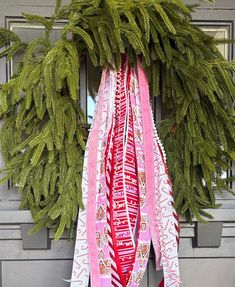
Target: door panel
[(35, 273), (45, 268)]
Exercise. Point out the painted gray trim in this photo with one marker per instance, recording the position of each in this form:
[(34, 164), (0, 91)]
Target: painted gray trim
[(12, 250), (220, 4), (221, 214), (0, 273), (28, 273), (14, 217), (24, 216)]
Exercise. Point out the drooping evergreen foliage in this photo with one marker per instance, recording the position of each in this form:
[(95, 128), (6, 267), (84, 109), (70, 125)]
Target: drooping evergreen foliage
[(44, 131)]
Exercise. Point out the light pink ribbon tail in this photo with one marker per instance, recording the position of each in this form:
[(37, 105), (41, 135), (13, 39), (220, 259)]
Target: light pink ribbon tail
[(91, 204), (148, 137)]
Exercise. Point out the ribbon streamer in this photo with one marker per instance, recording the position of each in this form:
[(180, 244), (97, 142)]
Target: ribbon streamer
[(127, 191)]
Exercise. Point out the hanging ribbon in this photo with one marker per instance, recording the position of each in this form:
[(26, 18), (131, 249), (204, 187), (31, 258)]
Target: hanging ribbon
[(127, 192)]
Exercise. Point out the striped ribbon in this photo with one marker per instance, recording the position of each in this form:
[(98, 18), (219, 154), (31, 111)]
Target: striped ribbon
[(127, 192)]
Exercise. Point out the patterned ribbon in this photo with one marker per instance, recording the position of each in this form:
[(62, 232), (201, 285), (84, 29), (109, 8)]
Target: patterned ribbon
[(127, 192)]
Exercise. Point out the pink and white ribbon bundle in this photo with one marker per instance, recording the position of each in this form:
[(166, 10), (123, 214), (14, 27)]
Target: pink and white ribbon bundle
[(127, 192)]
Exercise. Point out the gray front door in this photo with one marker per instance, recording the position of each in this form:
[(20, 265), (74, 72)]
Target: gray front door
[(39, 261)]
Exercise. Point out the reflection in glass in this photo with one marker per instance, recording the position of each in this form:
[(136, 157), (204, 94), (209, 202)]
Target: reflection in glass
[(219, 32), (94, 76), (28, 32)]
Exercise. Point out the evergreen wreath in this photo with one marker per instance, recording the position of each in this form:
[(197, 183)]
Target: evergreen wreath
[(44, 130)]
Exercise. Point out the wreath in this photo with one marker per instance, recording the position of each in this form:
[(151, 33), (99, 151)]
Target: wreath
[(44, 130)]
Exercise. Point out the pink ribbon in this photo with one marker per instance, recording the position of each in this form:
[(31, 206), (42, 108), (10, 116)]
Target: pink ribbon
[(91, 203), (118, 193), (149, 161)]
